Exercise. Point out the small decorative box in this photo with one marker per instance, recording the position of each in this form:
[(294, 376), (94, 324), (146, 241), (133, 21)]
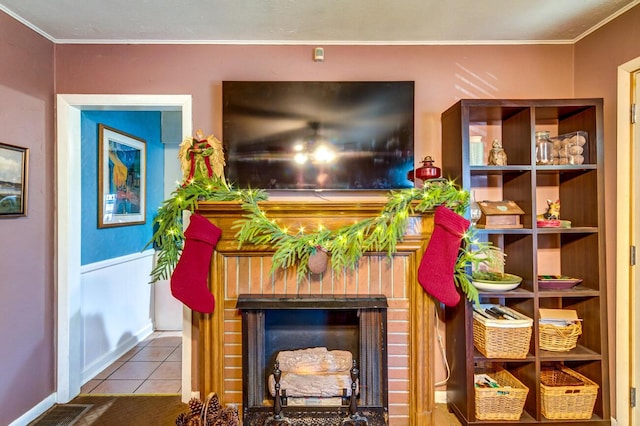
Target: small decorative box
[(499, 215)]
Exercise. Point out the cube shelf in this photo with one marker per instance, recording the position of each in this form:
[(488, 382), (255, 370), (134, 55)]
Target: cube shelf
[(574, 250)]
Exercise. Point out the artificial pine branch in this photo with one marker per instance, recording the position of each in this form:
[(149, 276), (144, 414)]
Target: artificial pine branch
[(346, 245)]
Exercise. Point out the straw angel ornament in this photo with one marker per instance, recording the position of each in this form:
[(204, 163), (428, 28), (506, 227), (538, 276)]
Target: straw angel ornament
[(200, 157)]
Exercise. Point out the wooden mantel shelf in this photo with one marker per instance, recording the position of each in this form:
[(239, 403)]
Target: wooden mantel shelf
[(217, 347), (275, 301)]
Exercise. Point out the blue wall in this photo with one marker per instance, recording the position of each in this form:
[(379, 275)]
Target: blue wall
[(107, 243)]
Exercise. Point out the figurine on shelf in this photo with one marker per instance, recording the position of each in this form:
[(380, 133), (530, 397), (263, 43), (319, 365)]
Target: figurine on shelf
[(551, 218), (497, 155), (553, 210)]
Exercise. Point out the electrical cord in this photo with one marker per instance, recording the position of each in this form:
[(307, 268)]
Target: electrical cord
[(443, 352)]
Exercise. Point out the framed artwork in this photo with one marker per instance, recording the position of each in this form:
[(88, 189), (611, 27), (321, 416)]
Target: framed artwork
[(14, 171), (122, 175)]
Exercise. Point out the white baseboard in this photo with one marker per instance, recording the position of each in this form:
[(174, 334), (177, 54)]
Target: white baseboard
[(110, 357), (35, 412)]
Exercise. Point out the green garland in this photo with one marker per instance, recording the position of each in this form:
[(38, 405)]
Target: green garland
[(346, 245)]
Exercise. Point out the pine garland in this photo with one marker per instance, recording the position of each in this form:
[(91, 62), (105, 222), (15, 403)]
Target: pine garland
[(346, 245)]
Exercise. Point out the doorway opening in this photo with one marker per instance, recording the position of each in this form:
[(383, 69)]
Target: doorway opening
[(628, 197), (68, 245)]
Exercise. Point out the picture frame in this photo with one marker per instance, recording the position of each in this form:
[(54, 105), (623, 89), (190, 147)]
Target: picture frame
[(122, 182), (14, 176)]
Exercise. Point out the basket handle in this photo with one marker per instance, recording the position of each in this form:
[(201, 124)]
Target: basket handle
[(571, 331)]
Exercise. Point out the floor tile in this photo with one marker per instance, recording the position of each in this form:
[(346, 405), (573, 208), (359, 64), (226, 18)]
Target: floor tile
[(116, 386), (152, 366), (131, 352), (171, 341), (90, 385), (167, 370), (159, 386), (109, 370), (152, 353), (135, 370), (176, 355)]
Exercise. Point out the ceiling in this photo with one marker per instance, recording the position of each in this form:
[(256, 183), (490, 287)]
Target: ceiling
[(315, 21)]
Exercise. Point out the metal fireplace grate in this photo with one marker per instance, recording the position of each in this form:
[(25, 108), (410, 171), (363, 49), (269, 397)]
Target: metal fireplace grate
[(318, 418)]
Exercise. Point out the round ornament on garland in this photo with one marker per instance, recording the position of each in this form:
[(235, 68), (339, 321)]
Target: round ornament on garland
[(318, 260)]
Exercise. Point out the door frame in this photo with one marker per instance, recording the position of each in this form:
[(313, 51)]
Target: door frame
[(625, 309), (67, 233)]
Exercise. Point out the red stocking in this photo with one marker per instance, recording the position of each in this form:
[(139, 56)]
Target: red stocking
[(435, 272), (189, 278)]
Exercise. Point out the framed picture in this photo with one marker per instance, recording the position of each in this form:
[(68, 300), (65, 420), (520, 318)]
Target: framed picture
[(121, 178), (14, 171)]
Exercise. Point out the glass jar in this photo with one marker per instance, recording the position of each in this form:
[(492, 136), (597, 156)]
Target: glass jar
[(544, 148), (476, 151), (475, 213)]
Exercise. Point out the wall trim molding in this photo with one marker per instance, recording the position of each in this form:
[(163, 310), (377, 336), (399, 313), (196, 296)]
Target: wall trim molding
[(35, 412), (115, 261), (625, 339)]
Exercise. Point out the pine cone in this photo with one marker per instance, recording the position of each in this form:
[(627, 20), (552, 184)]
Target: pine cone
[(195, 421), (214, 406), (182, 419), (229, 415), (196, 406)]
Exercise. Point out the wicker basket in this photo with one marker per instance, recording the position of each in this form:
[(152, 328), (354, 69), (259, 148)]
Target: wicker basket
[(496, 338), (503, 403), (567, 394), (559, 338)]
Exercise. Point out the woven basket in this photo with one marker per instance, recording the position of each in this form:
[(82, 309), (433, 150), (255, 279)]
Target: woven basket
[(496, 338), (563, 398), (503, 403), (559, 339)]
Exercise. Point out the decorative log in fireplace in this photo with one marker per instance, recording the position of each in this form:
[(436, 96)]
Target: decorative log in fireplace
[(275, 323), (217, 342)]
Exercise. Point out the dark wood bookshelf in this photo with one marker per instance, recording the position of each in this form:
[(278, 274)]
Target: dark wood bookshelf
[(580, 249)]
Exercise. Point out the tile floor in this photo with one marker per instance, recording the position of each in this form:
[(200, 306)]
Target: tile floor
[(152, 367)]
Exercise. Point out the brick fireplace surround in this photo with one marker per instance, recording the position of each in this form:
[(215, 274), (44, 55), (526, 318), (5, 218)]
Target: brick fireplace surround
[(217, 363)]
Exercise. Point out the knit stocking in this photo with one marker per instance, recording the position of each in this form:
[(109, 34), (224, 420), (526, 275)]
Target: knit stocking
[(189, 278), (435, 272)]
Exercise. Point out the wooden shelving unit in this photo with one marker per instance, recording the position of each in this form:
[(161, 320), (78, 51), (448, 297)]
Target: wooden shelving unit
[(578, 251)]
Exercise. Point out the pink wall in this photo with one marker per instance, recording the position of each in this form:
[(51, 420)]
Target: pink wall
[(27, 363), (443, 74), (597, 58)]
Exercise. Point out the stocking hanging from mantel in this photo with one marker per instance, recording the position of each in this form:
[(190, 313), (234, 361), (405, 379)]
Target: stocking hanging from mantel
[(437, 266), (190, 277)]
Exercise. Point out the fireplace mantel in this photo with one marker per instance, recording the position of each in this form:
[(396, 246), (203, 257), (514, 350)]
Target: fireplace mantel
[(245, 269)]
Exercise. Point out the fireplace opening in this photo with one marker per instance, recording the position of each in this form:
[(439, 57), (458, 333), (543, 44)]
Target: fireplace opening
[(356, 325), (290, 329)]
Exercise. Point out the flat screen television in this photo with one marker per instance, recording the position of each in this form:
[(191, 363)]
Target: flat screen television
[(307, 135)]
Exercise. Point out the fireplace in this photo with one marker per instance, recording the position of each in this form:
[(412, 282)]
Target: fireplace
[(237, 270), (352, 324)]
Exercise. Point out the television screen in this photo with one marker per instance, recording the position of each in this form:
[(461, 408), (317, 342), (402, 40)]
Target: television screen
[(318, 135)]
